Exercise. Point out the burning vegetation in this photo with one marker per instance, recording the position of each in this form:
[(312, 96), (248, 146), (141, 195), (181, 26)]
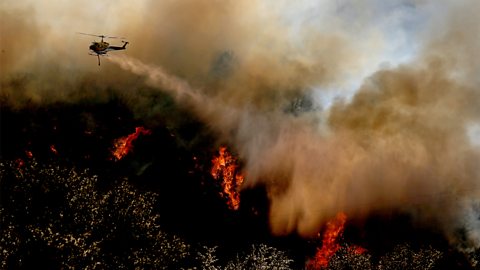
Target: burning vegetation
[(330, 242), (75, 208), (124, 145), (226, 170)]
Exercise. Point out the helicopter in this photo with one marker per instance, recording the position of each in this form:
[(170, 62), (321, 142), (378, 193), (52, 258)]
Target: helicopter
[(101, 48)]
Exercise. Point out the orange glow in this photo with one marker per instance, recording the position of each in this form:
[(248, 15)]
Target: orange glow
[(224, 168), (20, 163), (53, 149), (124, 145), (357, 250), (334, 229)]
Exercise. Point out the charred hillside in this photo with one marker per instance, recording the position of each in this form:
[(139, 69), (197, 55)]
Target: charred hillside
[(64, 194)]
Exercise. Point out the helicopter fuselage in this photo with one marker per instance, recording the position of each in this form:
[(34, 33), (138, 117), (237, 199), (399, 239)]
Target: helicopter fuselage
[(101, 48)]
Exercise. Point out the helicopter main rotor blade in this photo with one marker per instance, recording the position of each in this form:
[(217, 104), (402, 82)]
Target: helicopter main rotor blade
[(89, 34), (115, 37), (100, 36)]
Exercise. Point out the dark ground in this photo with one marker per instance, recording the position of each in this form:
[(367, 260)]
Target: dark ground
[(174, 162)]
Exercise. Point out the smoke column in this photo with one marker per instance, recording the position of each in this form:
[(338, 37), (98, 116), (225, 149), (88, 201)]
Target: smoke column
[(335, 106), (397, 155), (157, 77)]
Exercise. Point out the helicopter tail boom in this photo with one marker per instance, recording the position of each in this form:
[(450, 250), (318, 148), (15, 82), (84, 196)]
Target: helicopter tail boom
[(115, 48)]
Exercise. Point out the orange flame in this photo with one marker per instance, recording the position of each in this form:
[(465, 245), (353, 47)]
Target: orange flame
[(124, 145), (224, 168), (334, 229), (357, 250), (53, 149), (20, 163)]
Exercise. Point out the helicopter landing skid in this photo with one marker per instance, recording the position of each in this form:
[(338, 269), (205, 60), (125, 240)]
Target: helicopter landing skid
[(98, 56)]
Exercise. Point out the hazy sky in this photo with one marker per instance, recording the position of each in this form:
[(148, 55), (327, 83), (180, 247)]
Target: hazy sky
[(49, 28), (372, 32)]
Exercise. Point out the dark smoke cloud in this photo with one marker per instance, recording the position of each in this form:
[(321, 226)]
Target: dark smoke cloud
[(400, 142)]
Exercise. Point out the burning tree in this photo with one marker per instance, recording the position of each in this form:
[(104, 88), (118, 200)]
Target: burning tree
[(330, 245), (124, 145), (225, 169)]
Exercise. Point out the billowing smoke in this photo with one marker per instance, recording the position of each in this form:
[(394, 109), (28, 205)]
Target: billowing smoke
[(334, 106)]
